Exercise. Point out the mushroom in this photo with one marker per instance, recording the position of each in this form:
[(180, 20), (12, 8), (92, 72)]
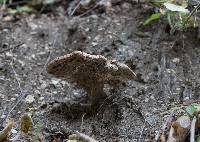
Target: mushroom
[(90, 72)]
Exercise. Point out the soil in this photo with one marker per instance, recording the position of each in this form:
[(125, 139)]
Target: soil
[(167, 67)]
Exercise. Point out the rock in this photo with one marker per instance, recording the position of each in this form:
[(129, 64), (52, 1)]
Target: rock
[(29, 99)]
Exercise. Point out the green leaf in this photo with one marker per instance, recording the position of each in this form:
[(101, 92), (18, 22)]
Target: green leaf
[(198, 138), (190, 110), (177, 8), (25, 8), (3, 1), (193, 109), (197, 106), (153, 17)]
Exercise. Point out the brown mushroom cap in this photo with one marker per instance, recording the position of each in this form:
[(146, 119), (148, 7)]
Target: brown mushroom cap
[(87, 69)]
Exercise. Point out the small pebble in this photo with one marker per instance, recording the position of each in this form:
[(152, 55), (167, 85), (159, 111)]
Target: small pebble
[(186, 98), (16, 95), (176, 60), (2, 96), (41, 98), (8, 18), (55, 92), (152, 119), (37, 92), (146, 100), (3, 116), (13, 131), (9, 54), (43, 105), (12, 99), (43, 86), (29, 99), (55, 81)]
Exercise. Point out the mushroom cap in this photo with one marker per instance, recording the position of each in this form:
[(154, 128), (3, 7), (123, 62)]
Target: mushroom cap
[(87, 69)]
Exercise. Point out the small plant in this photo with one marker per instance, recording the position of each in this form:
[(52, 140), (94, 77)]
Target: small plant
[(26, 123), (176, 12), (25, 6)]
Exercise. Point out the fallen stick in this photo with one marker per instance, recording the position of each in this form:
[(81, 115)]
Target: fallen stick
[(8, 49), (82, 137), (192, 129)]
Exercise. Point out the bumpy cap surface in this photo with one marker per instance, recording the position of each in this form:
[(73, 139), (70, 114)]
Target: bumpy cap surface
[(86, 69)]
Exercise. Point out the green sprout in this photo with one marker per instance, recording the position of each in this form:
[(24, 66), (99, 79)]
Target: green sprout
[(176, 13)]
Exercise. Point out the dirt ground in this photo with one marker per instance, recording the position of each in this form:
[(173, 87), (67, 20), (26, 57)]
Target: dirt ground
[(167, 67)]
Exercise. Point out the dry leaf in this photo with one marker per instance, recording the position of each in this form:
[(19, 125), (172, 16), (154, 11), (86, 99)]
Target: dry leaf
[(6, 131), (26, 123)]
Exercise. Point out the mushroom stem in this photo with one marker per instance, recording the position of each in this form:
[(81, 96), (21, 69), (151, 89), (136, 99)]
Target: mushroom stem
[(96, 94)]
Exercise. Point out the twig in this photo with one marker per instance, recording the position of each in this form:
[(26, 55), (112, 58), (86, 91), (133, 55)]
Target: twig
[(42, 9), (78, 4), (192, 129), (16, 3), (174, 43), (88, 11), (167, 123), (19, 86), (103, 103), (142, 132), (11, 48), (193, 11), (2, 9), (22, 94), (82, 121), (49, 56)]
